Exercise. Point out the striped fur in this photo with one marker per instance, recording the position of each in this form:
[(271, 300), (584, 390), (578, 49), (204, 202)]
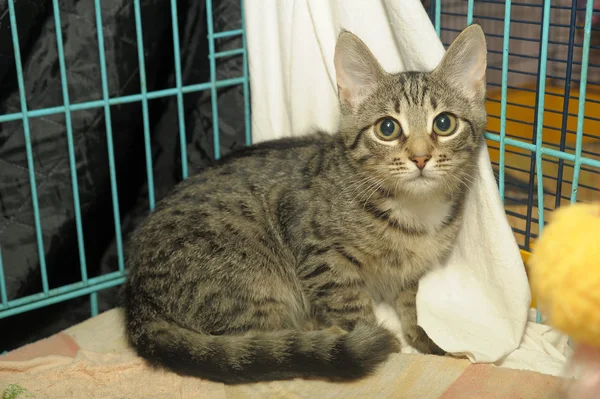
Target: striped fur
[(267, 265)]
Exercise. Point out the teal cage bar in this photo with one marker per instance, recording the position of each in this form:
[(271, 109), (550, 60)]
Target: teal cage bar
[(543, 89), (92, 285)]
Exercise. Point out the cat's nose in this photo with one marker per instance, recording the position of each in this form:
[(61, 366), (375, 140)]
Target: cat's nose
[(420, 160)]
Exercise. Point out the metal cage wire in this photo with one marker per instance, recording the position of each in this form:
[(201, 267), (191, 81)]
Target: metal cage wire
[(536, 49), (568, 156), (527, 24), (91, 286)]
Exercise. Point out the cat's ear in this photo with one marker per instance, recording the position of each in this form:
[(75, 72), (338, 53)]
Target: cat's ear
[(465, 63), (357, 70)]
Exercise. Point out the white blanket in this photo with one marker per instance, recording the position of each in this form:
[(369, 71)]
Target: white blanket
[(478, 303)]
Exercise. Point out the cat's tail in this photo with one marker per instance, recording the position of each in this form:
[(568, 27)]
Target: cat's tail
[(262, 356)]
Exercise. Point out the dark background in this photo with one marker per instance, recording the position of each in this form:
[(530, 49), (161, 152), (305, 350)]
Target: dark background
[(37, 37)]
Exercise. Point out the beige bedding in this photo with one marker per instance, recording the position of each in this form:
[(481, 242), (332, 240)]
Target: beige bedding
[(92, 360)]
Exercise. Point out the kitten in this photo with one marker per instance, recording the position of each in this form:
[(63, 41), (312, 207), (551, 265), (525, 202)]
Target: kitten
[(267, 266)]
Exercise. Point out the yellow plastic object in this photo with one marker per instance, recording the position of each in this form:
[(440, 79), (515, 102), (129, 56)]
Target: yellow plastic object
[(564, 271)]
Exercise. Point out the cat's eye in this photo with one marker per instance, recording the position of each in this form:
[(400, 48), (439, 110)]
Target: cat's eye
[(388, 129), (444, 124)]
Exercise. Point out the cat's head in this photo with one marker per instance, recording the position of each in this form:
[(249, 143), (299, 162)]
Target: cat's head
[(414, 132)]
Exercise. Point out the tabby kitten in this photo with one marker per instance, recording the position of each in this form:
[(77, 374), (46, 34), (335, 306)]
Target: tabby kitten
[(268, 265)]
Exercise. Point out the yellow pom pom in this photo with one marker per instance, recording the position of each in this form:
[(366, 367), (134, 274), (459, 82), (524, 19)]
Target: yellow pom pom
[(565, 271)]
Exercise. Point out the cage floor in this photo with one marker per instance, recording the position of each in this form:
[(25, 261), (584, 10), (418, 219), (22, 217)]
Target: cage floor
[(93, 360)]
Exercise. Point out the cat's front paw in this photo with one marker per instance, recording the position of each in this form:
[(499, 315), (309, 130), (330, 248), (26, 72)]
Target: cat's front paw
[(418, 339)]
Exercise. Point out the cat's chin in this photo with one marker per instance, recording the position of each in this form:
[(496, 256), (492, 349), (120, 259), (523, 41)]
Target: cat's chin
[(422, 184)]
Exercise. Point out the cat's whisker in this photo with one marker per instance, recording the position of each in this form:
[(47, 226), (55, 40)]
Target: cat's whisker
[(365, 192), (356, 185), (448, 187), (367, 189), (353, 188), (396, 187), (374, 191), (461, 179)]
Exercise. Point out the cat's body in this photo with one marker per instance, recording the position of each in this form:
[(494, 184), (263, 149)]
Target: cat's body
[(268, 265)]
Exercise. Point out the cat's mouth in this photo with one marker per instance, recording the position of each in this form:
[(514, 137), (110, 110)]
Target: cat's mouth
[(423, 180), (423, 175)]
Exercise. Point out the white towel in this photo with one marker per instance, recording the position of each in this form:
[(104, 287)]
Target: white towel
[(477, 304)]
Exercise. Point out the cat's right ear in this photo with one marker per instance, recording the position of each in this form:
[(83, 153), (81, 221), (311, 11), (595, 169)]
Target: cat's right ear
[(465, 62), (357, 70)]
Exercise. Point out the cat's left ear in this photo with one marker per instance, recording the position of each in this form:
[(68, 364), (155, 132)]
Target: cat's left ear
[(465, 63), (357, 70)]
